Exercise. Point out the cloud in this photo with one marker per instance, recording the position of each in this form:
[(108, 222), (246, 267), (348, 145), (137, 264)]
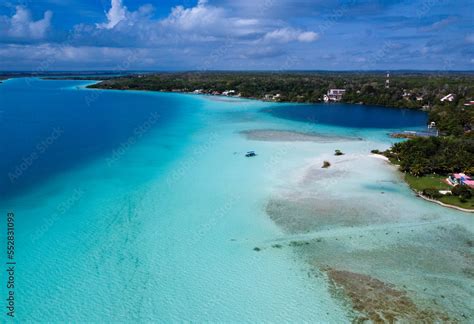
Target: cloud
[(439, 24), (286, 35), (116, 14), (196, 17), (49, 56), (220, 34), (206, 22), (22, 26), (200, 25)]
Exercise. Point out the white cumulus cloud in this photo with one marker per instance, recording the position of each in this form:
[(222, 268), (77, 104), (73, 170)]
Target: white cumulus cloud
[(286, 35), (22, 25), (196, 17), (116, 14)]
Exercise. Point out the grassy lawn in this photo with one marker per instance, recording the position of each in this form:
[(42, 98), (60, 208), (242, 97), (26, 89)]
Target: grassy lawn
[(452, 200), (435, 181), (432, 181)]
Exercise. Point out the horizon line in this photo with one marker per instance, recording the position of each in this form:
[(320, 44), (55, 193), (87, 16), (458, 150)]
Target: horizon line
[(115, 71)]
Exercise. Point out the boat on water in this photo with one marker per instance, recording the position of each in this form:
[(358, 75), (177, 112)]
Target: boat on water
[(250, 154)]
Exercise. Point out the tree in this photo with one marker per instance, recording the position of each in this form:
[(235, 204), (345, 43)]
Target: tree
[(462, 191)]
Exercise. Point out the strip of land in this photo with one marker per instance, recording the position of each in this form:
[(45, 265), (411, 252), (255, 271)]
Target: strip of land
[(274, 135)]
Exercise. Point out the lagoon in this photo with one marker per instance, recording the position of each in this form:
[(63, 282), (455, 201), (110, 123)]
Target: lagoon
[(142, 207)]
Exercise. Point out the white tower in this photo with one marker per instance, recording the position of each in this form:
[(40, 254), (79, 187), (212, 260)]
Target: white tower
[(387, 82)]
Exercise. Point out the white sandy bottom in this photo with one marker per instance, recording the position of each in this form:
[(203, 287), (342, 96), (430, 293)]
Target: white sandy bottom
[(177, 243)]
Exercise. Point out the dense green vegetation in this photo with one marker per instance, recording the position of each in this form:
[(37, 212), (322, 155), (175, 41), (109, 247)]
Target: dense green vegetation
[(441, 155), (463, 192), (365, 87), (457, 201), (428, 161), (452, 119)]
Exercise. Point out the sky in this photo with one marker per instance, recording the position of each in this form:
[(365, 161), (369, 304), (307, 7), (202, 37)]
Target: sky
[(117, 35)]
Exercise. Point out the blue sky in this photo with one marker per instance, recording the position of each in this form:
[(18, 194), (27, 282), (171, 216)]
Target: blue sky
[(42, 35)]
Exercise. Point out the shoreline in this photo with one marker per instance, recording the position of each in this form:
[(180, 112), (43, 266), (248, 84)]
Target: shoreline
[(234, 97), (254, 98), (379, 156), (419, 194), (262, 100)]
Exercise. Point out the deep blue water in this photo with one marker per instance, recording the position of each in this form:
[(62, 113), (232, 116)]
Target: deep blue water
[(356, 116), (47, 128)]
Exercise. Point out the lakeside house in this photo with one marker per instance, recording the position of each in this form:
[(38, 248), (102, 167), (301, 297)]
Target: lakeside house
[(469, 103), (449, 97), (271, 97), (228, 93), (334, 95), (460, 179)]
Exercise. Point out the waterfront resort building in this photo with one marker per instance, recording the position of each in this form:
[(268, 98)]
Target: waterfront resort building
[(334, 95), (461, 179)]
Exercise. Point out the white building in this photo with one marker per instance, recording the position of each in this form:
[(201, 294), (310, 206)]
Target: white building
[(228, 93), (449, 97), (334, 95), (469, 103)]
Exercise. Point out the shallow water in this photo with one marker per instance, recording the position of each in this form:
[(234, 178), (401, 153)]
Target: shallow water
[(161, 224)]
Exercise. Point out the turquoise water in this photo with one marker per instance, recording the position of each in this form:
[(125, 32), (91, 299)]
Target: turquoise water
[(144, 208)]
